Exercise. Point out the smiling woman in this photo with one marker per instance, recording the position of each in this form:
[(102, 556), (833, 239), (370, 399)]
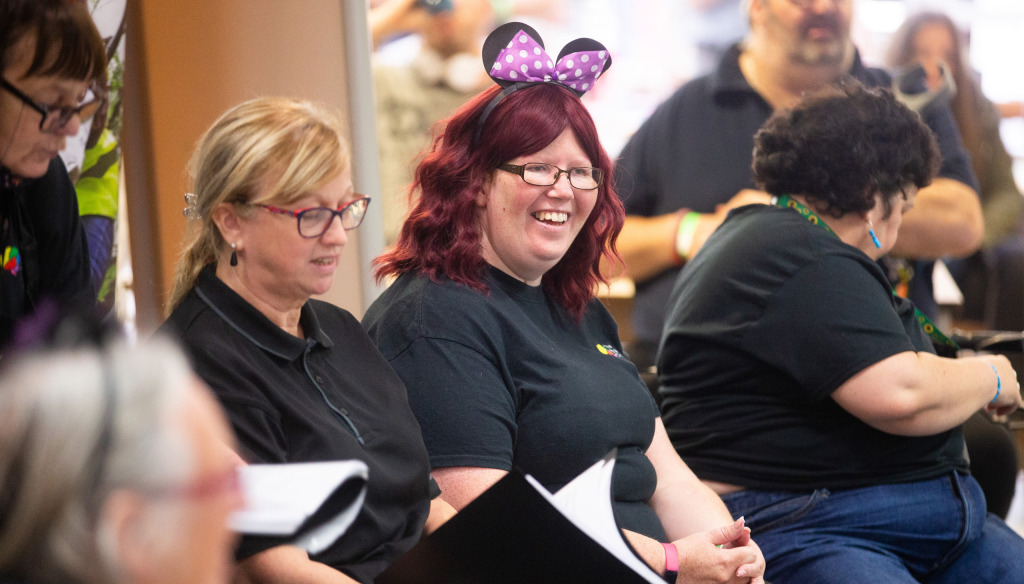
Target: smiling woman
[(52, 68), (492, 324)]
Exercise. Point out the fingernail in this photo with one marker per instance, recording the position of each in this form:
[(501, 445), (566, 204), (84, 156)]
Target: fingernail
[(741, 574)]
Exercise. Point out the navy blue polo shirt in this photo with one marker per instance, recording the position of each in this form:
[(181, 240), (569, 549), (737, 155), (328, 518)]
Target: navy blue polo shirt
[(696, 150)]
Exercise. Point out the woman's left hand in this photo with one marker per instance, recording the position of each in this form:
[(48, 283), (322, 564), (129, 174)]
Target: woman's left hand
[(722, 554)]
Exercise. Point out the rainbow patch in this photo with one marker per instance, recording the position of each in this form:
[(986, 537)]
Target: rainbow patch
[(12, 260), (609, 350)]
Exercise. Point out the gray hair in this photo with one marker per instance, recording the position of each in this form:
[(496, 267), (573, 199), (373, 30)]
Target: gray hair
[(74, 426)]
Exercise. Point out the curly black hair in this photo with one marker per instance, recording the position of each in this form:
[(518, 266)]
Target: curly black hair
[(841, 146)]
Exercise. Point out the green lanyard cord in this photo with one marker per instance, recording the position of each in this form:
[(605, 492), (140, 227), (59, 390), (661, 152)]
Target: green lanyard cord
[(927, 325)]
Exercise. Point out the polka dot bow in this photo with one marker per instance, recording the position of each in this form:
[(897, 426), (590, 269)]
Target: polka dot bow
[(522, 59)]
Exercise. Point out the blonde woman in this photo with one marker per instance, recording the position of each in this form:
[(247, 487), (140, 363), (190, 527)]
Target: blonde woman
[(299, 378)]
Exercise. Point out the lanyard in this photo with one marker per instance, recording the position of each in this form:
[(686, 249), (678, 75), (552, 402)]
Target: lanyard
[(926, 324)]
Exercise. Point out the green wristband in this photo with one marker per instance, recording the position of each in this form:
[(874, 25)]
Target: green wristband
[(685, 234)]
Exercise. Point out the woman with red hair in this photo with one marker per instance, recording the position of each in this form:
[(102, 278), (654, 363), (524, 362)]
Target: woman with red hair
[(492, 324)]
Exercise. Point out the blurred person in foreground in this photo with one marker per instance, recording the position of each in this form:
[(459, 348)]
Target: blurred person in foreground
[(805, 392), (298, 377), (52, 78), (492, 323), (115, 468)]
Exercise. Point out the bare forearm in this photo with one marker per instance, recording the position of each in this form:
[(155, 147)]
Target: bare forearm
[(688, 507), (440, 512), (683, 504), (946, 221), (649, 550), (287, 565), (647, 245), (920, 394)]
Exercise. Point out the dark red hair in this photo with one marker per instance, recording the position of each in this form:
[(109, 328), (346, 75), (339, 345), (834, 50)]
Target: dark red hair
[(441, 236)]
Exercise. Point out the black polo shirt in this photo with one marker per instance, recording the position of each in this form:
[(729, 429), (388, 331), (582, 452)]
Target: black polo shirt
[(331, 396), (696, 150)]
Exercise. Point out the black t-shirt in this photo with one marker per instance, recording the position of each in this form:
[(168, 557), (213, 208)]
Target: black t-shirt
[(43, 250), (331, 396), (509, 378), (695, 152), (771, 317)]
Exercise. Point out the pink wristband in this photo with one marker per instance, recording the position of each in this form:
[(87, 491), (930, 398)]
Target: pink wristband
[(671, 562)]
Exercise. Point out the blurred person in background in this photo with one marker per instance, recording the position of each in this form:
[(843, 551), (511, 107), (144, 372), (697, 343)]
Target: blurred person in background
[(690, 162), (932, 40), (992, 280), (412, 97), (115, 468), (52, 78)]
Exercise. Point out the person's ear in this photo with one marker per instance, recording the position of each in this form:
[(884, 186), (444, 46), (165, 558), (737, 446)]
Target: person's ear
[(485, 191), (122, 521), (225, 217)]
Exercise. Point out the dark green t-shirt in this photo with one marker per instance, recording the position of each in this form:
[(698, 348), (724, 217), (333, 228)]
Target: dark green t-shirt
[(771, 317), (509, 378)]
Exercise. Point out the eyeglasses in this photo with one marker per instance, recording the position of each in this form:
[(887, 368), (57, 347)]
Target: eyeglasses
[(227, 481), (805, 4), (315, 221), (544, 175), (56, 117)]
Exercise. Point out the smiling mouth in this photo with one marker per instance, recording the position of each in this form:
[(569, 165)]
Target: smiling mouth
[(324, 261), (553, 217)]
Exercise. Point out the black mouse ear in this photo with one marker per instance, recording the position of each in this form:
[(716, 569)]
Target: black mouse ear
[(499, 39), (584, 44)]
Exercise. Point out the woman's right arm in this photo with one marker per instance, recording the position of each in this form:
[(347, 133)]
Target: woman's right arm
[(921, 394), (286, 564)]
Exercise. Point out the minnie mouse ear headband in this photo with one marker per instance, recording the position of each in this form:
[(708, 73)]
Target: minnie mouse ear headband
[(515, 59)]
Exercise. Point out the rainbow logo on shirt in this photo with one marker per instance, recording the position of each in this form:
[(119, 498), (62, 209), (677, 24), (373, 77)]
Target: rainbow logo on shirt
[(12, 260), (609, 350)]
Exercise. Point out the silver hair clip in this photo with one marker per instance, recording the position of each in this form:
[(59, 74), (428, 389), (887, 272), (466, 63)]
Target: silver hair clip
[(191, 210)]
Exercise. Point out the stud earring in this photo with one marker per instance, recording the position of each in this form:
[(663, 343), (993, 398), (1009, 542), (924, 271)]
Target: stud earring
[(874, 238), (234, 256)]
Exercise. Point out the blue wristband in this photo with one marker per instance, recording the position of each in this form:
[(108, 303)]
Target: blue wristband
[(999, 384)]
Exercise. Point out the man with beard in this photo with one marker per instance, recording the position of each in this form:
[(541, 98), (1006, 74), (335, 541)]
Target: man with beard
[(690, 161)]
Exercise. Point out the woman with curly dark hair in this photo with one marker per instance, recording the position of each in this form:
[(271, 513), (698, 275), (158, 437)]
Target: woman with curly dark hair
[(508, 359), (808, 395)]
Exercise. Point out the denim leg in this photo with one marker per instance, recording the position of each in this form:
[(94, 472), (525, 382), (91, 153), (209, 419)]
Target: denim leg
[(991, 552), (886, 533)]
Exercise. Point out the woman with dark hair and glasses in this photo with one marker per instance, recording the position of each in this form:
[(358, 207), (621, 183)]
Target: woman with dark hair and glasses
[(52, 71), (809, 395), (492, 323), (299, 379)]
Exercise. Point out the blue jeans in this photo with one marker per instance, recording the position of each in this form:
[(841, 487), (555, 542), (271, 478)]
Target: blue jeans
[(934, 531)]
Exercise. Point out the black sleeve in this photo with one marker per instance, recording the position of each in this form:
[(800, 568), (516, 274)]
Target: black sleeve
[(257, 426), (632, 175), (828, 322), (63, 251)]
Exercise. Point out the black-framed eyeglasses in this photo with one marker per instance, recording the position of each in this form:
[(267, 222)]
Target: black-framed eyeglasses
[(56, 117), (315, 221), (539, 174)]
